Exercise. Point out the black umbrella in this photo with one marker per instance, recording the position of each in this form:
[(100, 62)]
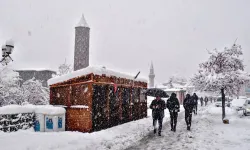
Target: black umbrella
[(156, 92)]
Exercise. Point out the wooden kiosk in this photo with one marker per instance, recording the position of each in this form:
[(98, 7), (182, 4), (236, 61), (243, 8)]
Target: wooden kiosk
[(96, 98)]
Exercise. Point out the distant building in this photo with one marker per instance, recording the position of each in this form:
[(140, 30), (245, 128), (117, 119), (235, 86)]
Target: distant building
[(42, 75), (151, 76), (180, 92), (244, 91), (81, 56), (247, 90)]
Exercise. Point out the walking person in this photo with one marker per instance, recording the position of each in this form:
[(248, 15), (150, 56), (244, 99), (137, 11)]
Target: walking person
[(206, 100), (158, 106), (173, 106), (201, 100), (188, 105), (195, 99), (211, 100)]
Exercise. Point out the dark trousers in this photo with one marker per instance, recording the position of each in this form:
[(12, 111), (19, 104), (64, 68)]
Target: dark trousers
[(173, 121), (188, 117), (159, 119), (195, 108)]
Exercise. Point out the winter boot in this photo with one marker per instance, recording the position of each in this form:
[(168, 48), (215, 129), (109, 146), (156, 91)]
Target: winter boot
[(188, 128), (174, 128), (159, 133), (154, 131)]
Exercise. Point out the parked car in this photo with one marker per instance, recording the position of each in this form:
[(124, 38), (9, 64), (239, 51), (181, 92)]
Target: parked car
[(218, 103), (246, 110), (238, 104)]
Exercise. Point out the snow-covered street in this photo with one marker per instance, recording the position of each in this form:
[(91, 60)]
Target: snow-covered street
[(207, 132)]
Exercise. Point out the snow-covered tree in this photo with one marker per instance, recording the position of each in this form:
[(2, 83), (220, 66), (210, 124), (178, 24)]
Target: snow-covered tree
[(10, 90), (35, 93), (223, 71), (176, 81), (64, 69)]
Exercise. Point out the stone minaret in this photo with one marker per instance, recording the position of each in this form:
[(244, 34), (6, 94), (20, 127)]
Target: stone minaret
[(151, 76), (81, 56)]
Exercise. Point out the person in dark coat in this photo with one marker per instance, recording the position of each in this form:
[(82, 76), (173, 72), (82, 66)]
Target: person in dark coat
[(173, 106), (195, 98), (188, 105), (201, 99), (158, 106), (206, 100)]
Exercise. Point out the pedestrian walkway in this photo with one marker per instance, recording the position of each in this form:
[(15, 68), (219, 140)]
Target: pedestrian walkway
[(179, 140)]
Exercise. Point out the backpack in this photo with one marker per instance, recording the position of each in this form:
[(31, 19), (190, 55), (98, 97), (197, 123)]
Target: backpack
[(190, 102)]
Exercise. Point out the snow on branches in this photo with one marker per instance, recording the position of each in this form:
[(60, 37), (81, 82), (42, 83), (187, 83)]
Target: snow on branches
[(11, 92), (64, 69), (223, 70), (35, 93)]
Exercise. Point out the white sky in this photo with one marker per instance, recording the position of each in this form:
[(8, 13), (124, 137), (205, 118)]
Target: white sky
[(126, 34)]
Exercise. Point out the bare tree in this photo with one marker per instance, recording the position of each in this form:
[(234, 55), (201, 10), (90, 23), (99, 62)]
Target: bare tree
[(64, 69)]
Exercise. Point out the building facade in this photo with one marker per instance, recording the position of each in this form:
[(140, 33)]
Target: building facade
[(247, 90), (42, 75)]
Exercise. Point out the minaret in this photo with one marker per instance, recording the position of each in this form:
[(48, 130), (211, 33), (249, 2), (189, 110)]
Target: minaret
[(151, 76), (81, 56)]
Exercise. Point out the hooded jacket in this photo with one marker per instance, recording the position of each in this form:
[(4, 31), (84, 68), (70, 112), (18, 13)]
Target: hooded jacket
[(173, 103), (189, 103)]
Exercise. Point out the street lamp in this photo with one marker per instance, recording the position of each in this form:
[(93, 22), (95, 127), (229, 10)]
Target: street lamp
[(7, 49)]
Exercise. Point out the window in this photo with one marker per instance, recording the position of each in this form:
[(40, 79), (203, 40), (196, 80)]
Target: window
[(142, 96)]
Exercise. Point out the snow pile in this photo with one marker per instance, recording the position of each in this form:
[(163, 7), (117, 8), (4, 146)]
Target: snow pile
[(115, 138), (238, 102), (95, 71), (218, 110), (44, 109)]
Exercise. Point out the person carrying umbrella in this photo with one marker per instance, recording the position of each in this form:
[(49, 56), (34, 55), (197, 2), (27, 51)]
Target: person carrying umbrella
[(173, 106), (158, 106)]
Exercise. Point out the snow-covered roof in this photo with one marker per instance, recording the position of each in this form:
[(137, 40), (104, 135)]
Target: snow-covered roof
[(34, 69), (15, 109), (174, 90), (43, 109), (82, 22), (49, 110), (96, 71)]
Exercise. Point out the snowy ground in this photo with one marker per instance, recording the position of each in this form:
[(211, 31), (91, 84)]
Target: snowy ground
[(208, 132), (119, 137)]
